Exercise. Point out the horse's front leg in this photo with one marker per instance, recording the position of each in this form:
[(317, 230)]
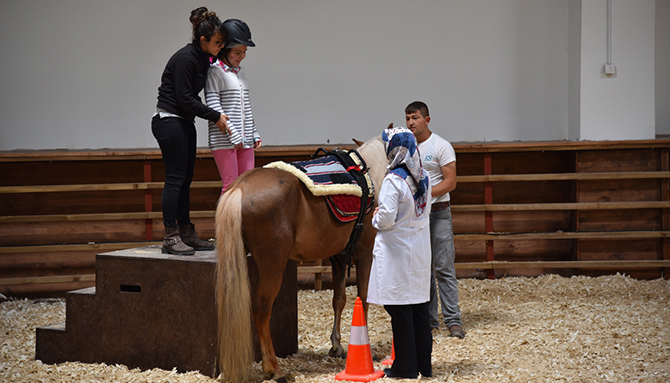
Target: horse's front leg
[(363, 266), (339, 301), (268, 288)]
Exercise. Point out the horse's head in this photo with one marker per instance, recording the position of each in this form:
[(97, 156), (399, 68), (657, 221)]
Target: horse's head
[(360, 143), (374, 153)]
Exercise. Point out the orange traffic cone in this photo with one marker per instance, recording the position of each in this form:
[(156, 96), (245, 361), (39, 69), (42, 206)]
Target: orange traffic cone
[(389, 361), (359, 356)]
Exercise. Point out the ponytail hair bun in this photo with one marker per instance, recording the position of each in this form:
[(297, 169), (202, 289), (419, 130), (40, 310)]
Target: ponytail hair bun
[(205, 23)]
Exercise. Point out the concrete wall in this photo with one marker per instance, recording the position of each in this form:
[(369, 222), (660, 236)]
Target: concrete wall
[(81, 74)]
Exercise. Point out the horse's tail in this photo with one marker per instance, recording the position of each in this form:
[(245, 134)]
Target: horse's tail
[(232, 291)]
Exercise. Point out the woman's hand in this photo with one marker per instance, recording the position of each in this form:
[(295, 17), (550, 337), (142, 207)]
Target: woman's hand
[(223, 124)]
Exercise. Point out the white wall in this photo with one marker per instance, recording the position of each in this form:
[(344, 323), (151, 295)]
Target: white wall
[(574, 68), (618, 107), (662, 68), (81, 74)]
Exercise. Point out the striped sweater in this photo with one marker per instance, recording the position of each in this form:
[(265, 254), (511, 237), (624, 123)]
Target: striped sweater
[(228, 92)]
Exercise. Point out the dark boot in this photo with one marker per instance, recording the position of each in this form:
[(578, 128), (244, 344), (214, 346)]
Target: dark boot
[(187, 234), (172, 243)]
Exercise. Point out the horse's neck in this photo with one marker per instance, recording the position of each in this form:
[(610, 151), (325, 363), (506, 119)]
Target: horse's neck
[(374, 154)]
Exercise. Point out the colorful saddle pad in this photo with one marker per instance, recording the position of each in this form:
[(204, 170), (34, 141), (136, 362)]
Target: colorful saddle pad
[(347, 207), (327, 177), (323, 176)]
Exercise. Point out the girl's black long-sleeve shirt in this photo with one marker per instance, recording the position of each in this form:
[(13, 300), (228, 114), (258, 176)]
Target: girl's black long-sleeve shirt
[(182, 80)]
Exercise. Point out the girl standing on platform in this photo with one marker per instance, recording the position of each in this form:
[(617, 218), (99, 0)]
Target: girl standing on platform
[(227, 91), (173, 127)]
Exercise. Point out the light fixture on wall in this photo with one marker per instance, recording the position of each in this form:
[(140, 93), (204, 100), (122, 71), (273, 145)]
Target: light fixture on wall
[(610, 68)]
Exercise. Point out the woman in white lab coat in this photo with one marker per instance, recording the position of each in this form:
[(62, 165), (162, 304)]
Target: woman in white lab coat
[(400, 275)]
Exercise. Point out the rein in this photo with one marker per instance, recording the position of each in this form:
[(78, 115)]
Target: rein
[(357, 171)]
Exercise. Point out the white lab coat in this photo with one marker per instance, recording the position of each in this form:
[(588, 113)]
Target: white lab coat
[(400, 273)]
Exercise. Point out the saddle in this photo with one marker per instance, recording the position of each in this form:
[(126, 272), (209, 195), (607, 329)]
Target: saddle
[(341, 177)]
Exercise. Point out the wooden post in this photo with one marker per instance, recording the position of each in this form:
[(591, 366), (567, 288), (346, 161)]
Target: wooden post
[(488, 215), (318, 278), (576, 255), (665, 213), (148, 223)]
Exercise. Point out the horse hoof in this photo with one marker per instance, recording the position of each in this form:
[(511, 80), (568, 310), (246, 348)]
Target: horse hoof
[(284, 379), (337, 353)]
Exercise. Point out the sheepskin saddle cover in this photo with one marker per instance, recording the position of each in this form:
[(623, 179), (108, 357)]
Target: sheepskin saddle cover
[(327, 177)]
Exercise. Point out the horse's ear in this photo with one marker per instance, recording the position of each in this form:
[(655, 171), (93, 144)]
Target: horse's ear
[(390, 126), (359, 143)]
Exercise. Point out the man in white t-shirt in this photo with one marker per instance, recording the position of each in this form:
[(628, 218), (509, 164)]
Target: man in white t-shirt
[(439, 160)]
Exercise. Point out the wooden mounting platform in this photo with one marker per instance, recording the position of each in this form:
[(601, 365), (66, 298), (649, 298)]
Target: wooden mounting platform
[(151, 310)]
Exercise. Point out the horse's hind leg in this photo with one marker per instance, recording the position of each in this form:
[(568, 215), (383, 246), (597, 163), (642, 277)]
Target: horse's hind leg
[(269, 284), (339, 301)]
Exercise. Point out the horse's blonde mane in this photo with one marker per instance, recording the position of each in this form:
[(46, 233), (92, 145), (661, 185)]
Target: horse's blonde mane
[(375, 156)]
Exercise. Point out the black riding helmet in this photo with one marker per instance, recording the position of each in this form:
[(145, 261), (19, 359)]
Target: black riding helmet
[(238, 33)]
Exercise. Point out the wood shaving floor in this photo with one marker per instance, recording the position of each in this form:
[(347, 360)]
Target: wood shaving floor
[(546, 329)]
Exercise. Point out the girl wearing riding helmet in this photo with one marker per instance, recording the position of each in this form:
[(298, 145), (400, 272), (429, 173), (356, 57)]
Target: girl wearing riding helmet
[(173, 127), (227, 91)]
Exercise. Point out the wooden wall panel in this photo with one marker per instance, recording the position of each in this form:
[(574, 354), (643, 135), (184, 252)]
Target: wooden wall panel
[(532, 192), (533, 250), (71, 232), (75, 202), (205, 170), (632, 160), (470, 251), (44, 289), (619, 190), (620, 220), (621, 250), (468, 222), (105, 167), (70, 172), (202, 199), (33, 266), (203, 226), (534, 162), (48, 261), (471, 193), (469, 164), (530, 221)]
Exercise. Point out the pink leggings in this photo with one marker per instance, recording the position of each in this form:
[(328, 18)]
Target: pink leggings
[(232, 163)]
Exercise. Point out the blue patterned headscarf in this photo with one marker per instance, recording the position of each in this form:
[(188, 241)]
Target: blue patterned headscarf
[(404, 161)]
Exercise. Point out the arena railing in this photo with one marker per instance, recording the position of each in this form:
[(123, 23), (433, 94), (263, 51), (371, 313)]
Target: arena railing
[(488, 208)]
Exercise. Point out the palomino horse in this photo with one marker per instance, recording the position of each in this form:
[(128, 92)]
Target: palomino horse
[(271, 214)]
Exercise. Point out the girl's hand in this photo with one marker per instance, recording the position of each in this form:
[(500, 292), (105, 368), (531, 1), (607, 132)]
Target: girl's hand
[(223, 124), (374, 213), (240, 145), (257, 144)]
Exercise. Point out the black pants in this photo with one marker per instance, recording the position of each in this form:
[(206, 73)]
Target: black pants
[(412, 338), (177, 140)]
